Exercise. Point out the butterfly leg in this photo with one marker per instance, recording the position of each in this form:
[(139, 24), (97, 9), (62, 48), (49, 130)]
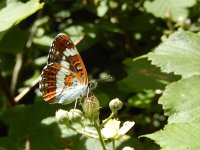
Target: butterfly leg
[(88, 90), (75, 103)]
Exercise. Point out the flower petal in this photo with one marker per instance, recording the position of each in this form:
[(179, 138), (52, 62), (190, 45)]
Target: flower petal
[(126, 127), (111, 128)]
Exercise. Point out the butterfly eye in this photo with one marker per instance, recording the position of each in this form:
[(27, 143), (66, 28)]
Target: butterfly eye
[(93, 85)]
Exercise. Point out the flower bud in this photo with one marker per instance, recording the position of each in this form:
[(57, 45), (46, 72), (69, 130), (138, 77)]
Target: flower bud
[(91, 106), (115, 104), (62, 116), (75, 115)]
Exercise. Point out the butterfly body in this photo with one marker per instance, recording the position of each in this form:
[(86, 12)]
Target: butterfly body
[(64, 79)]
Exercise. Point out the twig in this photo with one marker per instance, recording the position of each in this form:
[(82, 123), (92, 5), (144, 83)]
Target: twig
[(79, 40), (26, 90), (32, 31), (27, 145), (16, 71)]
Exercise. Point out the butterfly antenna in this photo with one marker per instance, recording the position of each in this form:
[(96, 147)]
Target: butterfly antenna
[(88, 90), (93, 84), (104, 79)]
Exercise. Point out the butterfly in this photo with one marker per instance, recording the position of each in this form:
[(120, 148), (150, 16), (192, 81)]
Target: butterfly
[(64, 79)]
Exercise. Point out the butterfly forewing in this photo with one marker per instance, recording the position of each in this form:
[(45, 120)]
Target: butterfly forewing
[(61, 45), (64, 78)]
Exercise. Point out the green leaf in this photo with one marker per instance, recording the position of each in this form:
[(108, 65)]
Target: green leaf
[(173, 8), (178, 136), (34, 130), (127, 141), (181, 103), (18, 42), (180, 54), (8, 143), (142, 75), (94, 142), (15, 12), (145, 22), (7, 68), (102, 8), (142, 99), (74, 30), (41, 61), (44, 41), (107, 26)]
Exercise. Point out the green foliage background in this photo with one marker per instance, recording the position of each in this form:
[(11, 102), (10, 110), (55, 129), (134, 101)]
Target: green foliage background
[(150, 48)]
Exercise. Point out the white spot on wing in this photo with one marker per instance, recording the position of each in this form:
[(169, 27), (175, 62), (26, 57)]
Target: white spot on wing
[(57, 52), (66, 52), (60, 84), (60, 80), (79, 68), (60, 75), (65, 71), (64, 57), (46, 85), (70, 52), (45, 67), (65, 64)]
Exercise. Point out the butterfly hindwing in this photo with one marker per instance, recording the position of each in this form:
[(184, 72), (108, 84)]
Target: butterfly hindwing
[(64, 78)]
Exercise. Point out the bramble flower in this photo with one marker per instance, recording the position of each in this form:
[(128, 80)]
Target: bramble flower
[(128, 148), (112, 128)]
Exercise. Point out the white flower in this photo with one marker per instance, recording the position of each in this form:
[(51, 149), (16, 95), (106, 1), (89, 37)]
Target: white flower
[(112, 128), (125, 128), (128, 148)]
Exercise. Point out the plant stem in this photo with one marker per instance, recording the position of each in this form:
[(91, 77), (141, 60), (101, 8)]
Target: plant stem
[(26, 90), (110, 117), (98, 128), (82, 132), (113, 144)]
